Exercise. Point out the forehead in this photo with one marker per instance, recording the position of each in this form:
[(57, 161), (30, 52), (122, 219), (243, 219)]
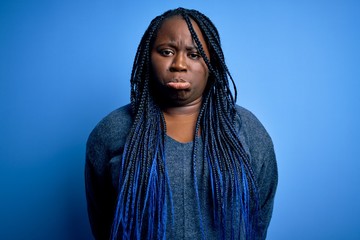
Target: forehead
[(175, 27)]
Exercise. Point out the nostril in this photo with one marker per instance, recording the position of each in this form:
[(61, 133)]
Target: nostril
[(177, 69)]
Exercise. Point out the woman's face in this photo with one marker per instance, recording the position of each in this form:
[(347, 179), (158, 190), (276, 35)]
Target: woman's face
[(180, 72)]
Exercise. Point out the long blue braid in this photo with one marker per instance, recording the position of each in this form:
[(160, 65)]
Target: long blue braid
[(144, 188)]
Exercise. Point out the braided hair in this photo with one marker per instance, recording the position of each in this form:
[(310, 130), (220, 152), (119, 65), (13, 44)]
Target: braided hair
[(144, 190)]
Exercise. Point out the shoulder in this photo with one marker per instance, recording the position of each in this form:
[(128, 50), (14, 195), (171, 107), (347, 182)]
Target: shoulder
[(109, 135), (255, 138), (253, 129), (119, 119)]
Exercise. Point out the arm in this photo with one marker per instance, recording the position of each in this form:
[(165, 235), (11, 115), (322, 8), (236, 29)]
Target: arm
[(267, 182), (103, 151), (263, 161), (98, 187)]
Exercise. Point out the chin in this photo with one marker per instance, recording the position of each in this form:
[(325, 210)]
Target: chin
[(173, 101)]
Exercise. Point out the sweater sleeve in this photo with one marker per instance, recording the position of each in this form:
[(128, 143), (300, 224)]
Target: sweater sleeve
[(267, 179), (263, 161), (98, 186), (104, 147)]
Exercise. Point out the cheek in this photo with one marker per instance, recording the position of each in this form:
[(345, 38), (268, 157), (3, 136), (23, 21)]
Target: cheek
[(206, 79), (155, 69), (158, 67), (203, 79), (205, 73)]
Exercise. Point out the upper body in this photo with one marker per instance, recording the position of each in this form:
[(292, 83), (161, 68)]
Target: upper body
[(183, 161), (104, 150)]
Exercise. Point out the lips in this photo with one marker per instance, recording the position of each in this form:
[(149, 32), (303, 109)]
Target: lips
[(178, 84)]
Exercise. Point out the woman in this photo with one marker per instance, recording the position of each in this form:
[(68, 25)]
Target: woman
[(183, 161)]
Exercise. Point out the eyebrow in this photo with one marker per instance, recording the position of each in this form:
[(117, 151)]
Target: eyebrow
[(173, 45)]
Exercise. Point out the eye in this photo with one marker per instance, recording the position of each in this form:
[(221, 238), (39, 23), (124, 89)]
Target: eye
[(166, 52), (194, 55)]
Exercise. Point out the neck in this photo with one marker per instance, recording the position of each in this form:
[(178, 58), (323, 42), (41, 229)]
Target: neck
[(181, 121)]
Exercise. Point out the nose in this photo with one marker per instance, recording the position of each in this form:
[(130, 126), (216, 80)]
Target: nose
[(179, 63)]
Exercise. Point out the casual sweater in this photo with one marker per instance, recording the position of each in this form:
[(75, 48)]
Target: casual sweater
[(103, 155)]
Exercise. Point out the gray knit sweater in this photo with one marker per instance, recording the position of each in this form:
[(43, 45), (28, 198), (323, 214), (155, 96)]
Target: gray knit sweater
[(103, 154)]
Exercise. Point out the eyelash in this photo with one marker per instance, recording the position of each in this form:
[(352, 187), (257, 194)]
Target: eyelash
[(166, 52), (194, 55)]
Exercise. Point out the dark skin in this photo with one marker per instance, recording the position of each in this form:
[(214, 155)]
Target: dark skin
[(181, 76)]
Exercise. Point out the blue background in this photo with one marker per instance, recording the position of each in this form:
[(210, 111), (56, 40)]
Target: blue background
[(65, 64)]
